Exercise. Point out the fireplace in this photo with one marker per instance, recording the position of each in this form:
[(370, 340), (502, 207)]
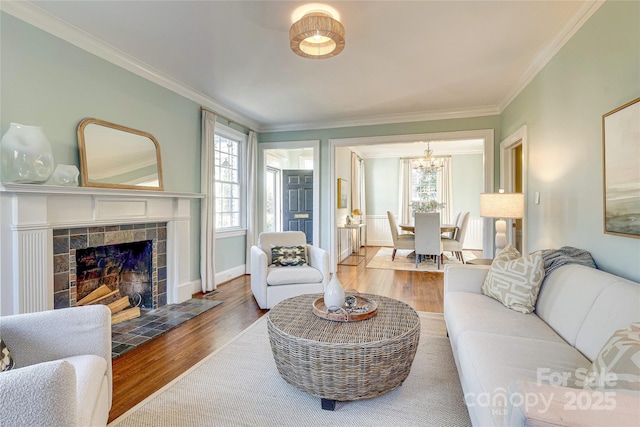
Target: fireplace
[(131, 258), (43, 227)]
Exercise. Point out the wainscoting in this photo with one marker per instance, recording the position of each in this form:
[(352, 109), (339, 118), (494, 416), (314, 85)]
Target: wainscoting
[(379, 234)]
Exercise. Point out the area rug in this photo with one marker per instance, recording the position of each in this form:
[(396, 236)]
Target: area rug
[(406, 261), (239, 385)]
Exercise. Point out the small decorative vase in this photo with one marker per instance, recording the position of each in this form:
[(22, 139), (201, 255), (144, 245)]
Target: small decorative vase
[(25, 155), (65, 175), (334, 294)]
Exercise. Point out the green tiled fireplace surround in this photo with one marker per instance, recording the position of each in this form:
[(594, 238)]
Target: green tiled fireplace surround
[(66, 241)]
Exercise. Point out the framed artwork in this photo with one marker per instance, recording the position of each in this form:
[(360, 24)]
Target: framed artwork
[(621, 170), (342, 193)]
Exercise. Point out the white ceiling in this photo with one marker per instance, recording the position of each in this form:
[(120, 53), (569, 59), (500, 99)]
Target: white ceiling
[(403, 60)]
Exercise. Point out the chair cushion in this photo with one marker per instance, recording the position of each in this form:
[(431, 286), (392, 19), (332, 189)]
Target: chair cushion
[(290, 275), (515, 281), (288, 256)]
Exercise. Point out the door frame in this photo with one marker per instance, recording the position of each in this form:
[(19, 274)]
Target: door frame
[(508, 178), (262, 165), (488, 174)]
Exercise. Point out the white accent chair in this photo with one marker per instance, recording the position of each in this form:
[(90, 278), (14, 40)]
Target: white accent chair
[(400, 241), (270, 285), (427, 236), (62, 374), (455, 245)]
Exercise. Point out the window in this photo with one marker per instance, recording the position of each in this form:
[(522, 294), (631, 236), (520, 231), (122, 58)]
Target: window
[(426, 188), (229, 178)]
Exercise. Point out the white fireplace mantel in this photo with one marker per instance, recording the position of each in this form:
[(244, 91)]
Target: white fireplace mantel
[(29, 213)]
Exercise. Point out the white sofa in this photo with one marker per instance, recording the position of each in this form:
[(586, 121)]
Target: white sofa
[(270, 285), (503, 355), (62, 374)]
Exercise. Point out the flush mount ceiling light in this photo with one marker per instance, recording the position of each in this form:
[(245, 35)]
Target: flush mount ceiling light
[(317, 35)]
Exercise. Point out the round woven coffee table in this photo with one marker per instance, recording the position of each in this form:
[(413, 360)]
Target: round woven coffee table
[(342, 361)]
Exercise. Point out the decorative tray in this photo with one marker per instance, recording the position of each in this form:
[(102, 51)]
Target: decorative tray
[(363, 308)]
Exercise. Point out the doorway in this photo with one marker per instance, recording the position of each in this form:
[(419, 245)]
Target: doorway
[(513, 179), (277, 161), (487, 139)]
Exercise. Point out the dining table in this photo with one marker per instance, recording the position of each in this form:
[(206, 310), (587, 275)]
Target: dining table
[(444, 228)]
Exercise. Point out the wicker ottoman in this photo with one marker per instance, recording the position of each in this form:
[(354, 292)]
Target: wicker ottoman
[(339, 361)]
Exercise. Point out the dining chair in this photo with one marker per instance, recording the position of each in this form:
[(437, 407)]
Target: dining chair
[(452, 234), (400, 241), (428, 241), (455, 245)]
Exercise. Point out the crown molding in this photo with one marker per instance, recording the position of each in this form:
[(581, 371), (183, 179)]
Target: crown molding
[(489, 110), (548, 51), (46, 22)]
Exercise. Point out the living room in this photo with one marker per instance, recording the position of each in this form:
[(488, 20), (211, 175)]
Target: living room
[(54, 78)]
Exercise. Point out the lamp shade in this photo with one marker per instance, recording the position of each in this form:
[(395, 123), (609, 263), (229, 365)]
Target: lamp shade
[(502, 205), (356, 211), (317, 35)]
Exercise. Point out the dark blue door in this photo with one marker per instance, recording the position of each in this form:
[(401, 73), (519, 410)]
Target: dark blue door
[(297, 202)]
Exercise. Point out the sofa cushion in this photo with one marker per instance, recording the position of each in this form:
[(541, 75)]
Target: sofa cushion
[(514, 280), (617, 366), (465, 311), (288, 256), (490, 363), (6, 361), (586, 306), (290, 275), (90, 375)]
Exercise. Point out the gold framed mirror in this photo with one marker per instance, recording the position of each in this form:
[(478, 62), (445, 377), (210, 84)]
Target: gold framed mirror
[(115, 156)]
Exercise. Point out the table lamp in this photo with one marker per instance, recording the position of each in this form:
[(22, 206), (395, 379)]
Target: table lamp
[(356, 215), (502, 206)]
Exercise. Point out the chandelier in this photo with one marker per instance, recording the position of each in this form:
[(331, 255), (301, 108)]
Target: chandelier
[(430, 163)]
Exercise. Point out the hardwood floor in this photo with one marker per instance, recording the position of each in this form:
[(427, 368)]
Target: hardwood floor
[(142, 371)]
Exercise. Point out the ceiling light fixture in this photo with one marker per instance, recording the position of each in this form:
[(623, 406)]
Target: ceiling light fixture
[(430, 163), (317, 35)]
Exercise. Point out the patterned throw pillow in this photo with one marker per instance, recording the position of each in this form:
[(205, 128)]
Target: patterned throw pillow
[(6, 361), (617, 366), (288, 256), (514, 280)]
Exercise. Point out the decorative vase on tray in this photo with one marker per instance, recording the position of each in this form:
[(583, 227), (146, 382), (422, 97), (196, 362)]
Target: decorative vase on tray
[(25, 154), (334, 294)]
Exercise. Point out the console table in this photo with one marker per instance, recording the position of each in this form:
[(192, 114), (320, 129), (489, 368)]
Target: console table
[(355, 256)]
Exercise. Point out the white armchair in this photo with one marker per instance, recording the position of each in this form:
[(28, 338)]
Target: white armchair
[(271, 284), (62, 374)]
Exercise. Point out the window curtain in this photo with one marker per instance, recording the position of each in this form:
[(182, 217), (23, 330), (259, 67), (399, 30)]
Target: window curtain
[(208, 204), (444, 190), (252, 196), (405, 191)]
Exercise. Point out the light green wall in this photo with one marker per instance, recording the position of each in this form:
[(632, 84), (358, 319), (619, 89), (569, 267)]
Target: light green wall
[(595, 72), (382, 183), (324, 135), (48, 82), (466, 183)]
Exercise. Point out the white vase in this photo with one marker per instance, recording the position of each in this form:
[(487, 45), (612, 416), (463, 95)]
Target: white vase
[(334, 293), (65, 175), (25, 155)]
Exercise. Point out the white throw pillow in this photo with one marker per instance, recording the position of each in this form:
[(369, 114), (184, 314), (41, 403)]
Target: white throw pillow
[(617, 366), (514, 280)]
